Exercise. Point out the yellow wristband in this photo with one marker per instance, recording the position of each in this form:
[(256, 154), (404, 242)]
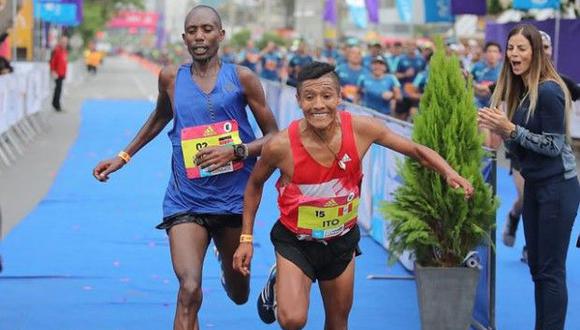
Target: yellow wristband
[(244, 238), (124, 156)]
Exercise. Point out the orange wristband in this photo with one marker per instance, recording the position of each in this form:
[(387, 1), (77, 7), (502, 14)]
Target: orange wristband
[(244, 238), (124, 156)]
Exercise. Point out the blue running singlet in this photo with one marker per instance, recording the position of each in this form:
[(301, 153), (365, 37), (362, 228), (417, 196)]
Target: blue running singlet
[(193, 108)]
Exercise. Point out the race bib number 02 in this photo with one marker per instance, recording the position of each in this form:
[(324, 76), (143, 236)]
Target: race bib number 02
[(196, 138), (327, 217)]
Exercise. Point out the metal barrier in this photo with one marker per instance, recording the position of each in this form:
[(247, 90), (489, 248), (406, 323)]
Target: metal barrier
[(22, 95)]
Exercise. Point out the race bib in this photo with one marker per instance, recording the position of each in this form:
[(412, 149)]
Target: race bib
[(195, 138), (327, 217)]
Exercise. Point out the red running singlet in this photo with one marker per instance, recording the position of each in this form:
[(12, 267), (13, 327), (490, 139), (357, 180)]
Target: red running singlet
[(321, 202)]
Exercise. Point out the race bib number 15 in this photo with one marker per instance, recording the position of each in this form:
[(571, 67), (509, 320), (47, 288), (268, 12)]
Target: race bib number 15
[(196, 138), (327, 217)]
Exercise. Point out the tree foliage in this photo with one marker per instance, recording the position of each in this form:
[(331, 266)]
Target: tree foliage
[(494, 7), (428, 217), (271, 36), (98, 12), (240, 38)]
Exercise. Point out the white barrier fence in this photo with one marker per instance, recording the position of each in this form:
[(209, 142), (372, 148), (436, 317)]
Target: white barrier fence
[(22, 95)]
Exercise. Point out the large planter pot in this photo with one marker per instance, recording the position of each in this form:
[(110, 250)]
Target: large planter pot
[(446, 297)]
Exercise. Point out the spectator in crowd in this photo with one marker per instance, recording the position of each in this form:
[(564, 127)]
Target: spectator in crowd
[(350, 73), (329, 54), (58, 68), (93, 58), (409, 65), (271, 62), (513, 218), (250, 56), (395, 55), (472, 55), (228, 55), (486, 73), (5, 67), (534, 128), (379, 89), (299, 59), (375, 49), (415, 90)]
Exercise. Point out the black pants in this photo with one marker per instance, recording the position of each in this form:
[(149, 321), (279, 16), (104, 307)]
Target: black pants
[(549, 211), (57, 92)]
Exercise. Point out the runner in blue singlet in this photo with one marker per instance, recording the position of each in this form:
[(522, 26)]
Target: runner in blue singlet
[(214, 151)]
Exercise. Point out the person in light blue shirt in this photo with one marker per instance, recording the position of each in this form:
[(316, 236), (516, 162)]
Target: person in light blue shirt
[(228, 55), (329, 54), (299, 60), (395, 56), (350, 73), (271, 63), (486, 72), (375, 49), (250, 56), (379, 90), (410, 64)]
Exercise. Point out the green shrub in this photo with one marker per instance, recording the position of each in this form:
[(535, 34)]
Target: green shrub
[(427, 216)]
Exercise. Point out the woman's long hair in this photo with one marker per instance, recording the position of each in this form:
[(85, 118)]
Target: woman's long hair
[(511, 89)]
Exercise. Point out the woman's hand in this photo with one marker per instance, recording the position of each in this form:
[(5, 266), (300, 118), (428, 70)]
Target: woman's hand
[(496, 121)]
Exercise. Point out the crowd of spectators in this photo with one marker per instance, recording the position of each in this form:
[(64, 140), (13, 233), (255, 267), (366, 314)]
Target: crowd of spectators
[(386, 77)]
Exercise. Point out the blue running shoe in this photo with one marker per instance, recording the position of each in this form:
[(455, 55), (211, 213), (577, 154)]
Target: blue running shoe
[(267, 299)]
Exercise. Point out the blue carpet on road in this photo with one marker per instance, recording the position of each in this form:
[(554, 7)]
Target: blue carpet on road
[(88, 257)]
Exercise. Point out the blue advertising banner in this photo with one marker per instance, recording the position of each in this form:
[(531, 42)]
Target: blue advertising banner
[(438, 11), (61, 12), (536, 4), (405, 10)]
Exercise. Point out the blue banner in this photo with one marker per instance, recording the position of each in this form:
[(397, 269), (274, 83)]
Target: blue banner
[(61, 12), (438, 11), (405, 10), (358, 13), (536, 4)]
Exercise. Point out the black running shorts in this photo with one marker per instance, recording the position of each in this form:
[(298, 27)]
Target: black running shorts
[(211, 222), (317, 260)]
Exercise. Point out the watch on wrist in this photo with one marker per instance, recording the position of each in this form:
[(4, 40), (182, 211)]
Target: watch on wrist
[(240, 151), (514, 133)]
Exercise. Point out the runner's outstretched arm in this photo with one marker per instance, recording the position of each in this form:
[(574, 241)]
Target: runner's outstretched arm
[(161, 115), (373, 131)]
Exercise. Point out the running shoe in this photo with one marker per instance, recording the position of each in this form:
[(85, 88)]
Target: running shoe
[(509, 230), (267, 299)]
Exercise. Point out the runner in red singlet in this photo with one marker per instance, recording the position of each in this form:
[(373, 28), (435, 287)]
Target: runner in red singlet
[(316, 237)]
